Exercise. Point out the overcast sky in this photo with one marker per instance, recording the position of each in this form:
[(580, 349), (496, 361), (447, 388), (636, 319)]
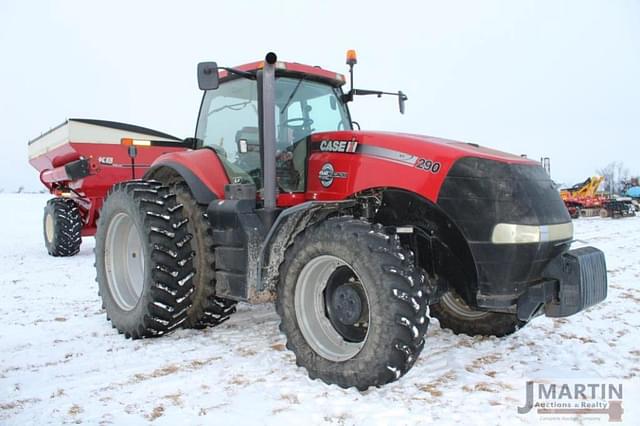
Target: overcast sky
[(546, 78)]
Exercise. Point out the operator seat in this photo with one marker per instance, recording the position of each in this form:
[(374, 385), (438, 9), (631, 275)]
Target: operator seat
[(248, 150)]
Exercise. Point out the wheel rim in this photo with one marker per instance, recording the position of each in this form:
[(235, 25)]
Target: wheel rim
[(455, 303), (124, 261), (48, 227), (316, 317)]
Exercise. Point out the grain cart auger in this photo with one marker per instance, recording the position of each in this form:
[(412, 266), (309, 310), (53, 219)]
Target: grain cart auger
[(352, 233)]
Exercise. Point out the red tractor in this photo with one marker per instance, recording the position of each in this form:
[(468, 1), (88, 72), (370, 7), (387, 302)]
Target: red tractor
[(355, 234)]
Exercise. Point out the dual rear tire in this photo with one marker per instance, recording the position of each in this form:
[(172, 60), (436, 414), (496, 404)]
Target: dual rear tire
[(153, 261), (144, 260)]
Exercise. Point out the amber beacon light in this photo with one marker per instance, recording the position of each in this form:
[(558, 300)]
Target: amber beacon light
[(352, 58)]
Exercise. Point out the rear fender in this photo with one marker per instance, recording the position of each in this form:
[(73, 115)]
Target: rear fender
[(200, 169)]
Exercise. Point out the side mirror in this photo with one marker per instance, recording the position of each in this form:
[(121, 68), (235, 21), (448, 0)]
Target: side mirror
[(401, 99), (208, 76), (192, 143)]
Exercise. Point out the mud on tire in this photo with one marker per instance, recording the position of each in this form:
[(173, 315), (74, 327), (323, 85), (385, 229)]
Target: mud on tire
[(395, 296), (144, 259), (62, 224), (454, 314), (207, 310)]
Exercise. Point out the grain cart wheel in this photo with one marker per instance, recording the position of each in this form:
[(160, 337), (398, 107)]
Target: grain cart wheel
[(352, 304), (455, 315), (207, 309), (144, 259), (62, 224)]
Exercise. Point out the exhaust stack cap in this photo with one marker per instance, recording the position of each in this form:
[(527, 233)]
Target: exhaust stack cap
[(271, 58)]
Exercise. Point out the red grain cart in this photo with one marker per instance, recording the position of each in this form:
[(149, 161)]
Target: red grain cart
[(79, 161)]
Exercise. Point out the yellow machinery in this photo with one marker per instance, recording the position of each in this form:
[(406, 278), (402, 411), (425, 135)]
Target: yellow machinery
[(588, 188), (582, 199)]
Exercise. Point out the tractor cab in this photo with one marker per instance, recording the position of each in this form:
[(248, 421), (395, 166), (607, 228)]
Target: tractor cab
[(307, 100)]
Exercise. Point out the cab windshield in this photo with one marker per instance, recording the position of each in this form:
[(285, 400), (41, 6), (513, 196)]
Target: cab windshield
[(228, 123)]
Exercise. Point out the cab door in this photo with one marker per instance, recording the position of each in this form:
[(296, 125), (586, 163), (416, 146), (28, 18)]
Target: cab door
[(303, 107), (228, 124)]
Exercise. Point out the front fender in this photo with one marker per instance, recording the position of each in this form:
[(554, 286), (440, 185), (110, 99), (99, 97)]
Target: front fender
[(201, 169)]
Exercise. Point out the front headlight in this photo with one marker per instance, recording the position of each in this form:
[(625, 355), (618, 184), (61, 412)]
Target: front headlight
[(509, 233)]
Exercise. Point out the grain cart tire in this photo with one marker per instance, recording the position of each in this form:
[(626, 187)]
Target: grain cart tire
[(454, 314), (144, 259), (207, 310), (62, 224), (352, 303)]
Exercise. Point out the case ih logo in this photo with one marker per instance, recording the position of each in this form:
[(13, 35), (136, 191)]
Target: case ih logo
[(338, 146)]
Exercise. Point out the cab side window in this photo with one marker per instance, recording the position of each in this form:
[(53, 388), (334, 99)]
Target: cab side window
[(229, 124)]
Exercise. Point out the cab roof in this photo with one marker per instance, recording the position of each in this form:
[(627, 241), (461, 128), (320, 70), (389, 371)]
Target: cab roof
[(292, 68)]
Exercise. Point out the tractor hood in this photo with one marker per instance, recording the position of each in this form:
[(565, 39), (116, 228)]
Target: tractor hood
[(406, 147), (478, 187)]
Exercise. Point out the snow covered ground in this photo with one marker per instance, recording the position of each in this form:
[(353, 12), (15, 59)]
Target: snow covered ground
[(61, 362)]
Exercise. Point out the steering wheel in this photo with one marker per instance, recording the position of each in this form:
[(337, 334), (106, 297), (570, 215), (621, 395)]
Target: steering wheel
[(303, 122), (300, 129)]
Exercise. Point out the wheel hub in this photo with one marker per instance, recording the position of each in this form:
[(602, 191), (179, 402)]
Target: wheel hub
[(346, 304)]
